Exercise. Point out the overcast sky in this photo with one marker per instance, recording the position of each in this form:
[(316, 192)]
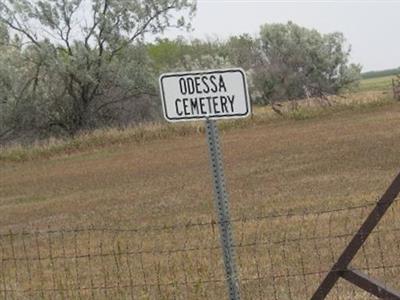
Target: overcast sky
[(371, 27)]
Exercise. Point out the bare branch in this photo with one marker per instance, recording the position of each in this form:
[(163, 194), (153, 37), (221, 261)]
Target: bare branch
[(92, 29), (65, 32), (100, 39), (143, 29), (16, 25), (25, 32)]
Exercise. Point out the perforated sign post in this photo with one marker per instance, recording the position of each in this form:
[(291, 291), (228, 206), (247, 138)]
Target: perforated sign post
[(211, 95)]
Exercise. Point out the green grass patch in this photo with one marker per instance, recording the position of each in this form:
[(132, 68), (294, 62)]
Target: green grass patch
[(376, 84), (30, 199)]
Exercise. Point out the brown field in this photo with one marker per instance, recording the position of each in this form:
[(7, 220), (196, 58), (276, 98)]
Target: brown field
[(288, 180)]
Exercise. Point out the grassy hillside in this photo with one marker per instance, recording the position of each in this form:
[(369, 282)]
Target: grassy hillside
[(383, 83), (290, 180), (63, 188), (370, 96)]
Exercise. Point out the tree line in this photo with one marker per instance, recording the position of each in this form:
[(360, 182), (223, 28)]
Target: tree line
[(68, 66), (375, 74)]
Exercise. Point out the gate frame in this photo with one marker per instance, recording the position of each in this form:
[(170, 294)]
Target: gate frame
[(341, 268)]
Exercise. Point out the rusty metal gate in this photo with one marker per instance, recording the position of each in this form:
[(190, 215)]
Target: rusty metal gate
[(341, 268)]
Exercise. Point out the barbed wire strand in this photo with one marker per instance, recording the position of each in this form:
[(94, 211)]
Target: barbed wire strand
[(213, 223)]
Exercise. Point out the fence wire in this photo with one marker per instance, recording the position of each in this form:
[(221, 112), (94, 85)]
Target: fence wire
[(279, 256)]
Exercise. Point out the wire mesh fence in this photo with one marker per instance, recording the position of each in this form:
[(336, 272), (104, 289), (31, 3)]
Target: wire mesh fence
[(279, 256)]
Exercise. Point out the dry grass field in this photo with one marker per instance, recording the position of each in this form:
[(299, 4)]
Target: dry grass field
[(135, 219)]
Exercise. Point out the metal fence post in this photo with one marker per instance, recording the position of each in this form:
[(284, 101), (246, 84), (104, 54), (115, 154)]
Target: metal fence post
[(222, 209)]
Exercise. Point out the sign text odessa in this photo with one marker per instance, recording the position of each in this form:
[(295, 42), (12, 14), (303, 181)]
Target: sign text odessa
[(198, 95)]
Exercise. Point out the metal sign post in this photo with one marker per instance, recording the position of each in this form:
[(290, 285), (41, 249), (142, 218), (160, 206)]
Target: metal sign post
[(222, 208), (210, 95)]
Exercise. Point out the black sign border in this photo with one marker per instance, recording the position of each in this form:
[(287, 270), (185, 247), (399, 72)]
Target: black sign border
[(226, 116)]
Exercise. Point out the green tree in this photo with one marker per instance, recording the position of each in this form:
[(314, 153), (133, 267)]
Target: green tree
[(15, 110), (182, 55), (298, 62), (4, 35), (85, 59), (242, 51)]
